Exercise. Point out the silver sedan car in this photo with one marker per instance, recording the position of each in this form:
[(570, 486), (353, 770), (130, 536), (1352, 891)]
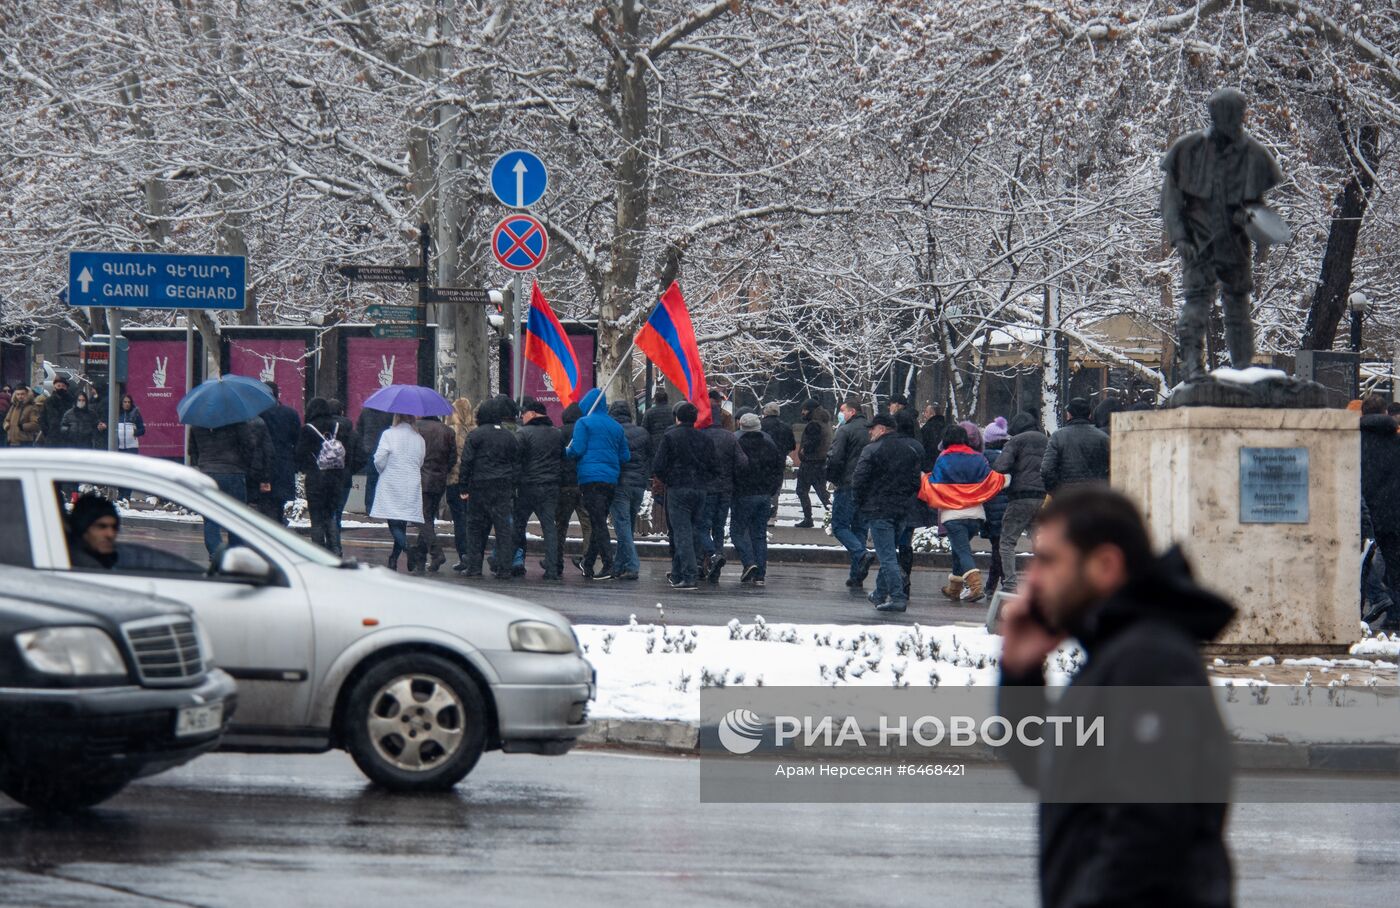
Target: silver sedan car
[(414, 678)]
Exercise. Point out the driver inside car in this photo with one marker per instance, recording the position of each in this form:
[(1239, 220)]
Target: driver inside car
[(93, 527)]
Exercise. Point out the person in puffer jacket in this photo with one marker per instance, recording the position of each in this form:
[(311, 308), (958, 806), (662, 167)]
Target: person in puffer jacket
[(600, 447), (961, 482)]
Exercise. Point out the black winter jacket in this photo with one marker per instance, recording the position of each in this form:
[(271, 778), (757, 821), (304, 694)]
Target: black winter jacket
[(685, 459), (636, 472), (79, 429), (372, 425), (541, 447), (1021, 459), (284, 428), (568, 467), (764, 474), (439, 455), (490, 459), (658, 420), (780, 433), (324, 483), (1146, 635), (1380, 472), (1076, 453), (56, 406), (885, 478), (729, 459), (227, 449), (846, 446), (815, 438)]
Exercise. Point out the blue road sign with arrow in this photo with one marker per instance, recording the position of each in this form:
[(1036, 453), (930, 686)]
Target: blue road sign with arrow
[(156, 280), (519, 179)]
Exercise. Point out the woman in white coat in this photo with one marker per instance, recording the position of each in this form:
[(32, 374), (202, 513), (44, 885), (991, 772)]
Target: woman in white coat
[(399, 496)]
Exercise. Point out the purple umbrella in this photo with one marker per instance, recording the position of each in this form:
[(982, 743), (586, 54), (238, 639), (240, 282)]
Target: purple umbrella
[(411, 400)]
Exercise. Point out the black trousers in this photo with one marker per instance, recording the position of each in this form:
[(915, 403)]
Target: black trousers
[(487, 507), (597, 501), (1389, 544), (428, 541), (811, 475), (542, 501), (569, 502)]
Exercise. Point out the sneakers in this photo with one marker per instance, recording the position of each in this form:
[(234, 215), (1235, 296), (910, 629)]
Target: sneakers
[(863, 570), (461, 566), (758, 581), (804, 524), (601, 575), (626, 575), (715, 568), (685, 587), (853, 583), (750, 574), (892, 606), (577, 561), (877, 601)]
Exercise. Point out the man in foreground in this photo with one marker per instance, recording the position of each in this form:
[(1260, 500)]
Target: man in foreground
[(1141, 621)]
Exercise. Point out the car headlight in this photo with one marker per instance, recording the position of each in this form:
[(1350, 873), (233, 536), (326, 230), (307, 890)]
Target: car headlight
[(539, 637), (71, 651)]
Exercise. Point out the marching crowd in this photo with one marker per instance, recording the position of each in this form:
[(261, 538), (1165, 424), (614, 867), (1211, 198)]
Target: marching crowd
[(880, 477)]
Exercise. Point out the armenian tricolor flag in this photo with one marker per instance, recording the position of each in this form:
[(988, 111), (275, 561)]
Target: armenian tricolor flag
[(668, 340), (547, 346)]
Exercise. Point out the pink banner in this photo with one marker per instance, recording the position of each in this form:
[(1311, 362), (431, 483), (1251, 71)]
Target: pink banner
[(372, 363), (273, 359), (155, 379), (538, 385)]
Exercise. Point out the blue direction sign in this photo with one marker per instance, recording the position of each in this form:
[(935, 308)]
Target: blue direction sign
[(518, 179), (156, 280)]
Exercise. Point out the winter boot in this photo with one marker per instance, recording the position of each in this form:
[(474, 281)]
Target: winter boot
[(954, 588), (973, 579)]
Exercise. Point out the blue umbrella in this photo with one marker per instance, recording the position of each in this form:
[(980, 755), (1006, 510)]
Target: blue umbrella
[(224, 401), (411, 400)]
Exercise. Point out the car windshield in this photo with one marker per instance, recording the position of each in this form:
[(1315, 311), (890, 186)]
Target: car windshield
[(303, 548)]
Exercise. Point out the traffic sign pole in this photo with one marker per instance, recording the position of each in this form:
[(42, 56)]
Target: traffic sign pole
[(114, 327), (517, 357)]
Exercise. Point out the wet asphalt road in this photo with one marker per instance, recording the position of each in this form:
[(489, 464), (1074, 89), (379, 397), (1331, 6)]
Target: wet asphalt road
[(801, 593), (596, 829)]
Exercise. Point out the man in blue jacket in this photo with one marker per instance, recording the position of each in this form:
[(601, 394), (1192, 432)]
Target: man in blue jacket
[(600, 447)]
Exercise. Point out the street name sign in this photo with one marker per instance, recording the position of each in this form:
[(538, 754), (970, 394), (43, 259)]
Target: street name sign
[(519, 178), (519, 243), (156, 280), (382, 274), (398, 331), (385, 313), (471, 296)]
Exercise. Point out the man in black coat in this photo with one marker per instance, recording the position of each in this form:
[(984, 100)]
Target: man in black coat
[(1020, 460), (229, 455), (814, 436), (683, 463), (490, 461), (846, 523), (719, 494), (658, 420), (283, 428), (56, 404), (780, 433), (439, 457), (1140, 818), (885, 480), (1380, 490), (541, 448), (754, 487), (1077, 453), (372, 425)]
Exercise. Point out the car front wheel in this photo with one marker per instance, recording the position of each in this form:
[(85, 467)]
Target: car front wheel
[(416, 723)]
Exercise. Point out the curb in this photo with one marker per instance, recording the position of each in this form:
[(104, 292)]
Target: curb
[(670, 736)]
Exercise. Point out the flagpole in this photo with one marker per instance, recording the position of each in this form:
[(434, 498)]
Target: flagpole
[(620, 363)]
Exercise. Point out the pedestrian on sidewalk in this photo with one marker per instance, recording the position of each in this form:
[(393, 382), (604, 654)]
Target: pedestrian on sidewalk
[(1380, 489), (130, 426), (570, 503), (814, 435), (885, 480), (960, 483), (81, 427), (439, 459), (228, 456), (754, 487), (1025, 490), (284, 430), (683, 464), (372, 425), (22, 419), (931, 433), (599, 446), (994, 439), (461, 422), (918, 514), (398, 499), (541, 448), (658, 420), (1139, 820), (490, 460), (1077, 453), (631, 489), (846, 525), (719, 494), (322, 456), (781, 434), (54, 406)]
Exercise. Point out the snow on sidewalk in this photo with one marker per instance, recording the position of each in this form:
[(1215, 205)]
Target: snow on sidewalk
[(656, 671)]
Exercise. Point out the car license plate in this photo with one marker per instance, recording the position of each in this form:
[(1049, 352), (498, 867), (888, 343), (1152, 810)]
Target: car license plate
[(198, 720)]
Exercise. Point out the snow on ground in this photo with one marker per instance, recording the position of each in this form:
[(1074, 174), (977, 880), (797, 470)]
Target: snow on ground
[(1379, 645), (656, 671)]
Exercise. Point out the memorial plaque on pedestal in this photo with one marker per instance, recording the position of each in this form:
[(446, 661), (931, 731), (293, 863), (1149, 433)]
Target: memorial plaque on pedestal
[(1273, 485)]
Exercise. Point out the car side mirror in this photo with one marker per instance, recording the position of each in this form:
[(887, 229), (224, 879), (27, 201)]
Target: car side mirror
[(242, 563)]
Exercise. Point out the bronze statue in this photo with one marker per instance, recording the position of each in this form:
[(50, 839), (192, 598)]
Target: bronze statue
[(1212, 202)]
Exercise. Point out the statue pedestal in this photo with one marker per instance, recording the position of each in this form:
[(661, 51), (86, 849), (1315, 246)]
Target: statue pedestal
[(1266, 504)]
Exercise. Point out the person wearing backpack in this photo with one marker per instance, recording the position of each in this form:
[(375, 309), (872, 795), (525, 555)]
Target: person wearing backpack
[(322, 454)]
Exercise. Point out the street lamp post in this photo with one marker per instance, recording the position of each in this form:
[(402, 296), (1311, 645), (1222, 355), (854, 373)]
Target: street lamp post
[(1359, 305)]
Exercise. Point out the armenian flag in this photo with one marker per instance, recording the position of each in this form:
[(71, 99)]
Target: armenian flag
[(547, 346), (668, 340)]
